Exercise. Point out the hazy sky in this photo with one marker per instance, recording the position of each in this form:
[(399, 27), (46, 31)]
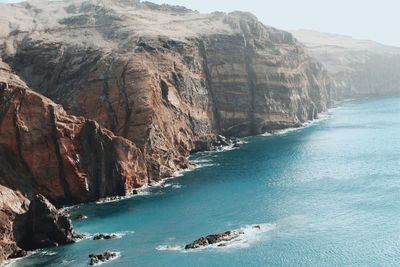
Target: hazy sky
[(377, 20)]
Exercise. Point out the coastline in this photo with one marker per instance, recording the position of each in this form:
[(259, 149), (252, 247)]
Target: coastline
[(146, 190)]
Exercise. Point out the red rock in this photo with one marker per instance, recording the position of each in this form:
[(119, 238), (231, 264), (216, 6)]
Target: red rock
[(69, 159)]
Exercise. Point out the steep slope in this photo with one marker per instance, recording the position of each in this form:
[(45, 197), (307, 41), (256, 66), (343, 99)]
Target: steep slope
[(359, 67), (12, 205), (167, 78), (66, 158)]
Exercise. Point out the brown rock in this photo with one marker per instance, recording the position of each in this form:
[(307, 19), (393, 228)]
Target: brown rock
[(178, 85), (68, 159)]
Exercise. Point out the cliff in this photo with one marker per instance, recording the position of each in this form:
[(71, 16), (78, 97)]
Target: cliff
[(164, 77), (102, 97), (67, 158), (359, 67)]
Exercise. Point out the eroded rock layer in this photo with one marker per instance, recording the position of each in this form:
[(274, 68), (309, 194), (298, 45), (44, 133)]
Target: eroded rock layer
[(68, 159), (166, 78)]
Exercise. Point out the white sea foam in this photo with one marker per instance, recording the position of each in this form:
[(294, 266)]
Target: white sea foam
[(67, 262), (143, 191), (251, 234), (117, 234), (322, 117), (169, 248), (10, 262), (46, 253), (201, 161)]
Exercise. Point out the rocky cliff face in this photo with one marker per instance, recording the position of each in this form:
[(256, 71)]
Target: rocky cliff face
[(69, 159), (164, 77), (359, 67)]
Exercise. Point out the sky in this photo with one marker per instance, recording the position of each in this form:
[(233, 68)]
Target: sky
[(376, 20)]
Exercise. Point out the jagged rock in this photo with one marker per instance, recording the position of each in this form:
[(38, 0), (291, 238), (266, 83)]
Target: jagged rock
[(45, 226), (180, 83), (105, 236), (213, 239), (100, 258), (69, 159)]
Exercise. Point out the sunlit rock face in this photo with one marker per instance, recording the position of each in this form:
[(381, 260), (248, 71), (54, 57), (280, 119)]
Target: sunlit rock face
[(164, 76), (68, 159), (359, 67)]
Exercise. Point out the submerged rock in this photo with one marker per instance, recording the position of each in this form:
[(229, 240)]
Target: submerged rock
[(100, 258), (214, 239)]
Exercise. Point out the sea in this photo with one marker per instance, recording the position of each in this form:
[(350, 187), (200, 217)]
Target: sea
[(327, 194)]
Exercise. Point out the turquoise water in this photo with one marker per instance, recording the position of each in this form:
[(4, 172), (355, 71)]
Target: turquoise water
[(326, 195)]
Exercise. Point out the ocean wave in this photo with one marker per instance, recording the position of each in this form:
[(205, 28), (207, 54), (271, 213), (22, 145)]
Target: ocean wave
[(201, 161), (206, 165), (143, 191), (322, 117), (11, 262), (44, 253), (169, 248)]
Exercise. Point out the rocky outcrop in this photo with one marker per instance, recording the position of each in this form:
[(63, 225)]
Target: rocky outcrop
[(358, 67), (167, 78), (96, 259), (105, 236), (45, 226), (214, 239), (12, 205), (66, 158), (26, 226)]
